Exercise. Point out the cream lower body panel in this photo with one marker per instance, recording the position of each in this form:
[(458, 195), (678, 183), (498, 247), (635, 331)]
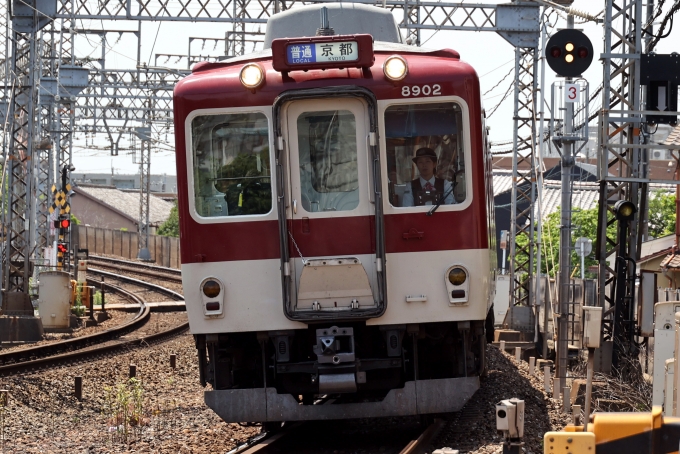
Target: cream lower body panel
[(252, 300), (415, 398), (424, 273)]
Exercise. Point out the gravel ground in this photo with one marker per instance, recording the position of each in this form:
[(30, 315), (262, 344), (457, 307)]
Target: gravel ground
[(43, 416), (506, 379), (117, 318)]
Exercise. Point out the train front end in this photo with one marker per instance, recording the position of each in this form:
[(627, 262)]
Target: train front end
[(335, 217)]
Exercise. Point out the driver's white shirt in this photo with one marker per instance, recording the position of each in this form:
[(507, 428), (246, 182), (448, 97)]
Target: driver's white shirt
[(408, 195)]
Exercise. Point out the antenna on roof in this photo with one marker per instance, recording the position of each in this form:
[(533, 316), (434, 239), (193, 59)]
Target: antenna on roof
[(325, 29)]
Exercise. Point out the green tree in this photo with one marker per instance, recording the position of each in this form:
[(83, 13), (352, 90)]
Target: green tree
[(584, 224), (661, 214), (75, 220), (171, 225)]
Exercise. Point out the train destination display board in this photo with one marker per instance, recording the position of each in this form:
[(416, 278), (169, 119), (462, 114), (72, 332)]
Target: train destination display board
[(300, 53), (321, 52)]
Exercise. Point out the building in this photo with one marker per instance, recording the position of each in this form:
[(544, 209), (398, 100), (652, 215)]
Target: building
[(109, 207), (159, 183)]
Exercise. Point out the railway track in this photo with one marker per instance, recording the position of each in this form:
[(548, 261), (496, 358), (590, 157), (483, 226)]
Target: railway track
[(56, 353), (158, 272), (283, 441)]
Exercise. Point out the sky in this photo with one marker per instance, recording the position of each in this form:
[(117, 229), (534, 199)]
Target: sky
[(487, 52)]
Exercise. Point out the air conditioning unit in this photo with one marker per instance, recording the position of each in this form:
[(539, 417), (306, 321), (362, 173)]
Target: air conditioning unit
[(657, 155)]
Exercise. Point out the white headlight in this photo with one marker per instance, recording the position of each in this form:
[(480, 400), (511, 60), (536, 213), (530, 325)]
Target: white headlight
[(395, 68), (252, 75)]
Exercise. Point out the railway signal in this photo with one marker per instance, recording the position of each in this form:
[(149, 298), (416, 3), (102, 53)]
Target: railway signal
[(62, 250), (660, 74), (569, 53)]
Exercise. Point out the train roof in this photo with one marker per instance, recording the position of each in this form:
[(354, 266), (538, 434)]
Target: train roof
[(344, 19)]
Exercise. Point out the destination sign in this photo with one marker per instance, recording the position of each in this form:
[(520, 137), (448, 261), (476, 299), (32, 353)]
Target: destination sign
[(303, 53)]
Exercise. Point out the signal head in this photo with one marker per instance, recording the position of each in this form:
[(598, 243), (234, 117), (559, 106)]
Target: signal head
[(569, 53), (65, 223)]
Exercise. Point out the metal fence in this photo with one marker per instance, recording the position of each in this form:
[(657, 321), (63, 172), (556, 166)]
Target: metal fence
[(164, 249)]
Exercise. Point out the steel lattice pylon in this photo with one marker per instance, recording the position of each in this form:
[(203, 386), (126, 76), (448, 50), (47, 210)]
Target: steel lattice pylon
[(523, 194), (620, 161), (22, 114)]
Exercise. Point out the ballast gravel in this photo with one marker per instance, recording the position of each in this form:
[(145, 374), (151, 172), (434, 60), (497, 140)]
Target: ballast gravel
[(43, 416)]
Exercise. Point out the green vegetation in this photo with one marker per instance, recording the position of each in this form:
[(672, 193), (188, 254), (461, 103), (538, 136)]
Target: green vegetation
[(75, 220), (584, 224), (661, 214), (171, 226), (124, 408)]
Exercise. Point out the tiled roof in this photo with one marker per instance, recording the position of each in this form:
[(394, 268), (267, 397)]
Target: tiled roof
[(672, 260), (128, 202), (502, 181), (585, 194), (674, 137)]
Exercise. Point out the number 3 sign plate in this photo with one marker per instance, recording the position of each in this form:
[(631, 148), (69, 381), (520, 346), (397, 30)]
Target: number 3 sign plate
[(572, 93)]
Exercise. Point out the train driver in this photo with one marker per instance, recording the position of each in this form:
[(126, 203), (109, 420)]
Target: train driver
[(427, 189)]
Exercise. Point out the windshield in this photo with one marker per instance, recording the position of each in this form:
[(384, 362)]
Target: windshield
[(232, 172), (425, 154), (329, 175)]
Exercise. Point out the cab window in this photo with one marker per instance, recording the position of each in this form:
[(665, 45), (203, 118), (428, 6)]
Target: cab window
[(425, 154), (232, 174), (329, 177)]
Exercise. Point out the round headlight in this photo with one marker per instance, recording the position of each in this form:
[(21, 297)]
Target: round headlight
[(457, 276), (252, 75), (395, 68), (211, 288)]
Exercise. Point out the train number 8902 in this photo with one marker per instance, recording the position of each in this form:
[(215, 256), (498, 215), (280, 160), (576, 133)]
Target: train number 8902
[(417, 90)]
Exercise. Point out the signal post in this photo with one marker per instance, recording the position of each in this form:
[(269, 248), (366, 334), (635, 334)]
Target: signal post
[(569, 53)]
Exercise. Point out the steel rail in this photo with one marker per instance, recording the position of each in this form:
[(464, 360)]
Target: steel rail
[(140, 270), (140, 318), (130, 280), (84, 352), (161, 269)]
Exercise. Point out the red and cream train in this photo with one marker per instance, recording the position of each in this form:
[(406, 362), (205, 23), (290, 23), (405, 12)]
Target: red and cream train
[(336, 217)]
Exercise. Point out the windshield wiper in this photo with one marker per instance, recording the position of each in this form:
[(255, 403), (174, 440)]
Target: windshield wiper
[(441, 200)]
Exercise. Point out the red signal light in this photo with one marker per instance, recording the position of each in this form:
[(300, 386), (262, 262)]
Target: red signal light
[(61, 248), (582, 52), (555, 52), (65, 223)]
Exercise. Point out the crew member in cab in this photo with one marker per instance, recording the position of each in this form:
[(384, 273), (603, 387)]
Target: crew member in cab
[(427, 189)]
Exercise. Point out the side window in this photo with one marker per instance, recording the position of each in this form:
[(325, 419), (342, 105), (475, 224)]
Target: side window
[(329, 176), (425, 154), (232, 175)]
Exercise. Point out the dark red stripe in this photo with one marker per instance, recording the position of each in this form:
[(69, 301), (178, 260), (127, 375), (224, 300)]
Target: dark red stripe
[(257, 240), (334, 236), (443, 231)]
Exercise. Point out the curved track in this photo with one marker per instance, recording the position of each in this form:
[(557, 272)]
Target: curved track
[(158, 272), (52, 354)]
